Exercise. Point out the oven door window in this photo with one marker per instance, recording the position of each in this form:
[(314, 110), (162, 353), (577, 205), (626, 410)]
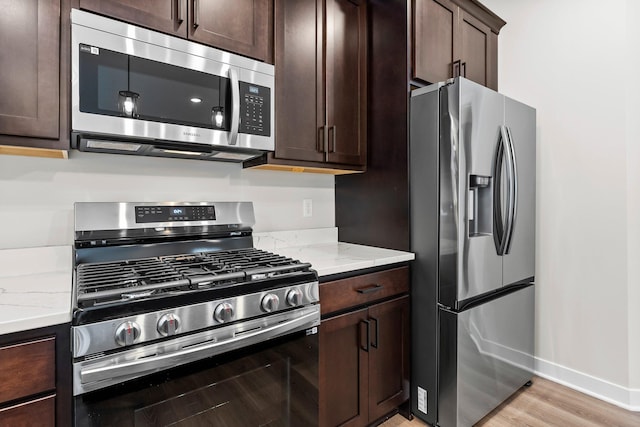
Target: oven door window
[(269, 384), (117, 84)]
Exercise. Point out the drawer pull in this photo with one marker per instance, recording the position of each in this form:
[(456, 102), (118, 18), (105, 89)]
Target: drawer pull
[(370, 289)]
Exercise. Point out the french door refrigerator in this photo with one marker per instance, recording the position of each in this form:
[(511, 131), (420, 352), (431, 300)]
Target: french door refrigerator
[(472, 183)]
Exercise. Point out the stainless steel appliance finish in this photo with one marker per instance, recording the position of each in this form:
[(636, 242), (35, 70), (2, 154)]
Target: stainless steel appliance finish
[(486, 356), (472, 174), (250, 115), (105, 370), (161, 285), (99, 337), (97, 216)]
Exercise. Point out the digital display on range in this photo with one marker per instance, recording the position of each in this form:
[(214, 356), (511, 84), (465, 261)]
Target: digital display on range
[(146, 214)]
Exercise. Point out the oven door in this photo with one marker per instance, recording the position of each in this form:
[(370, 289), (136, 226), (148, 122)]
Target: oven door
[(272, 383)]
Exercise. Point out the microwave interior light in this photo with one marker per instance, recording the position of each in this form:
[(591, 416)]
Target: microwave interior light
[(188, 153), (110, 145), (196, 100), (233, 156)]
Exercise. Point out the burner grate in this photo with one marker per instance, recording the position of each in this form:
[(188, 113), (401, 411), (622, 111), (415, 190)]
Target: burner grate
[(99, 283)]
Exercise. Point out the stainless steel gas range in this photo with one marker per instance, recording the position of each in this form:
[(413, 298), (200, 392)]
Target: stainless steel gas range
[(179, 320)]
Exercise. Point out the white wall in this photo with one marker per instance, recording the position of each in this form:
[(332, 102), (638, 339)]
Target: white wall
[(37, 195), (633, 189), (570, 59)]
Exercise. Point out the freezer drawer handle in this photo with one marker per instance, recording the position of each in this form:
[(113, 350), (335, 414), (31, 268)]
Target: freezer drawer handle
[(370, 289)]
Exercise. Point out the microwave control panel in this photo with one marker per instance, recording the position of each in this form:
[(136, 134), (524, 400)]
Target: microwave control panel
[(255, 109)]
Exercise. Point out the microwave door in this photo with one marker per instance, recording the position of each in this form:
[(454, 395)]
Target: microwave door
[(181, 96), (103, 74)]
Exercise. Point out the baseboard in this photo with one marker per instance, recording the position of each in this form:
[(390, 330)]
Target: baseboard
[(623, 397)]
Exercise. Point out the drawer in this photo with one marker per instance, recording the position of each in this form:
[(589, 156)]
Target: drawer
[(27, 369), (363, 289), (40, 412)]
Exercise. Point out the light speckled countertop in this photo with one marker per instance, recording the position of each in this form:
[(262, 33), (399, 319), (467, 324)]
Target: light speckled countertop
[(321, 248), (35, 287), (38, 294)]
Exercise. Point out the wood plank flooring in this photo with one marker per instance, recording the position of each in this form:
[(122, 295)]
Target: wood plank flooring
[(546, 404)]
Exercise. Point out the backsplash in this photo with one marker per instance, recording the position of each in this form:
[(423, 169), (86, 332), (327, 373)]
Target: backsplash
[(37, 194)]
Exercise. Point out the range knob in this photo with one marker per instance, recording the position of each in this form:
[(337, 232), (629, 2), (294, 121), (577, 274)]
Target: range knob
[(127, 333), (168, 324), (224, 312), (270, 302), (294, 297)]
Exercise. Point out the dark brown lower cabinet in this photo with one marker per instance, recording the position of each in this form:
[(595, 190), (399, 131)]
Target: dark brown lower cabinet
[(35, 379), (40, 412), (364, 363)]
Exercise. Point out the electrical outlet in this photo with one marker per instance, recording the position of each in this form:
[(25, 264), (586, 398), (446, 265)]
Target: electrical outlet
[(307, 208)]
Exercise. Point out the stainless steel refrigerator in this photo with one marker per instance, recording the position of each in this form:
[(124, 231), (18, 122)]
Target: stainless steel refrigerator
[(472, 182)]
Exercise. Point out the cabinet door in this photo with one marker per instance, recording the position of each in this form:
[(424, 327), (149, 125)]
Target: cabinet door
[(434, 39), (299, 85), (389, 356), (240, 26), (29, 78), (28, 369), (477, 51), (168, 16), (40, 412), (346, 84), (344, 351)]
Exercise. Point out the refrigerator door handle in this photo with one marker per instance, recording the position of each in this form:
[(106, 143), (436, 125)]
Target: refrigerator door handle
[(498, 221), (512, 179)]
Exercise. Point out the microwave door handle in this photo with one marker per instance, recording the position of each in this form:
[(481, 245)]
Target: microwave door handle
[(235, 106)]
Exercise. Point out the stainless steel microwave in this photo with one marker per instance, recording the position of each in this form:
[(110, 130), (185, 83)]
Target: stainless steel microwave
[(136, 91)]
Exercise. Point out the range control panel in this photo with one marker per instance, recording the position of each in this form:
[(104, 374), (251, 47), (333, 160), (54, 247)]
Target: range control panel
[(174, 213), (255, 109)]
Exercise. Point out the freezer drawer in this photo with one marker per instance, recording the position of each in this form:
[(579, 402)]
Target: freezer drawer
[(486, 354)]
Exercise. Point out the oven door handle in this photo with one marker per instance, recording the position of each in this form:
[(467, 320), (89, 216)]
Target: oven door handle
[(146, 365)]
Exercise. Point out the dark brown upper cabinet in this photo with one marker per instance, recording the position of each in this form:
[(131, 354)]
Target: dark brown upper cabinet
[(240, 26), (32, 83), (321, 86), (454, 38)]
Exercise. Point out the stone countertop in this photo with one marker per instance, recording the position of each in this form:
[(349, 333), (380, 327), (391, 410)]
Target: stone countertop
[(35, 287), (327, 255), (36, 283)]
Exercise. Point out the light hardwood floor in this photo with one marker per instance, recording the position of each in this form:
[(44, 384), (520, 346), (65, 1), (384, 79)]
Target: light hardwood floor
[(546, 404)]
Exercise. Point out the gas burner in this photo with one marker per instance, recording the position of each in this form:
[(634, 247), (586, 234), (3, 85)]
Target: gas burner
[(121, 281)]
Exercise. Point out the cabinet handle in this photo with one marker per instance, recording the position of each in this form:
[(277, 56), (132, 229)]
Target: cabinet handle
[(332, 141), (195, 5), (320, 142), (456, 68), (370, 289), (178, 4), (368, 325), (377, 333), (464, 69)]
